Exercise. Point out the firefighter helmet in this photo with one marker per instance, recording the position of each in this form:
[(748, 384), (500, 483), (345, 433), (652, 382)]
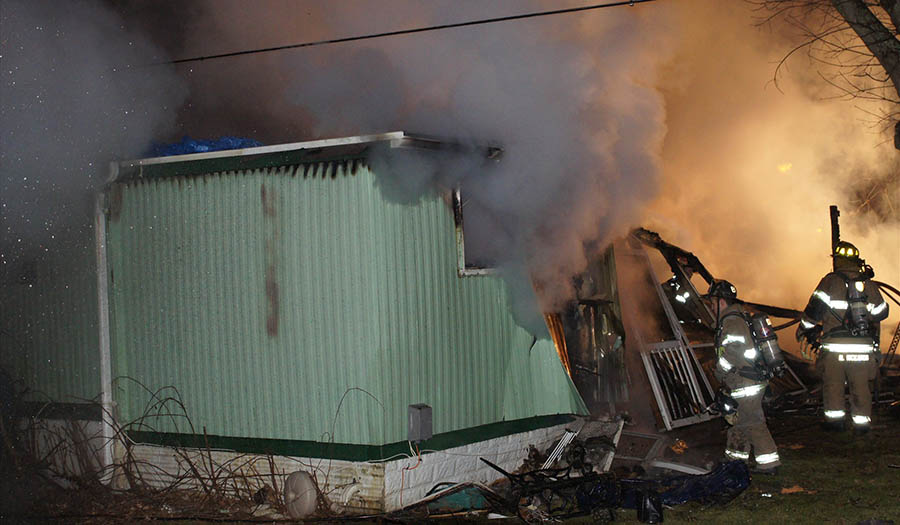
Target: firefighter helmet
[(722, 288), (845, 249)]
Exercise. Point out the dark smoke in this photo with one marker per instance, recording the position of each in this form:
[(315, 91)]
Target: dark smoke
[(570, 100)]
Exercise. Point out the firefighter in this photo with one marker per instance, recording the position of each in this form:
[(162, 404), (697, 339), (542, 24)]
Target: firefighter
[(738, 369), (679, 296), (842, 320)]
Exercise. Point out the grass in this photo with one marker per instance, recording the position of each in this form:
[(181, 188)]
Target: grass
[(826, 477)]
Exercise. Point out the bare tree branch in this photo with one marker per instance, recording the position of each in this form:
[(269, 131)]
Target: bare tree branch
[(880, 41), (855, 43), (892, 8)]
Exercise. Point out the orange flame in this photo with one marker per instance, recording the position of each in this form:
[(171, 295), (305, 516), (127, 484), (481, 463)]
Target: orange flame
[(555, 325)]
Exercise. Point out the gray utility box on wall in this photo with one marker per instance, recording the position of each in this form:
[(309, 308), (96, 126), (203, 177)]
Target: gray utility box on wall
[(419, 423)]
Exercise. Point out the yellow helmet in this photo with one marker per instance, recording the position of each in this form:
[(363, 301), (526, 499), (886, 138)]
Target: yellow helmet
[(845, 249)]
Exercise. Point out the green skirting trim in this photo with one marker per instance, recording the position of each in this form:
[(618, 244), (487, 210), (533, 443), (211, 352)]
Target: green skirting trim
[(346, 451)]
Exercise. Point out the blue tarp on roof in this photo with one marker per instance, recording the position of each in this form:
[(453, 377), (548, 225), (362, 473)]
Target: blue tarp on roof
[(189, 145)]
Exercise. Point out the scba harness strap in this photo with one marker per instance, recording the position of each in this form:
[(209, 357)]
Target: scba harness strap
[(853, 303), (759, 370)]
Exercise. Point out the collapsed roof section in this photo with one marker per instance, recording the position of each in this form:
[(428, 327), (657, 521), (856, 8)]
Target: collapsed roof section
[(643, 344)]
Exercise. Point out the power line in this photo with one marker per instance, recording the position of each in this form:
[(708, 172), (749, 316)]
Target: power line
[(408, 31)]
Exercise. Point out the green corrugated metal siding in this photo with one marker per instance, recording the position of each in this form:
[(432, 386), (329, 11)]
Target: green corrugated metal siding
[(369, 305), (48, 328)]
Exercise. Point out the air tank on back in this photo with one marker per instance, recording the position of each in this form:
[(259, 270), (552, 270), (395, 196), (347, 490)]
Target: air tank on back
[(766, 340)]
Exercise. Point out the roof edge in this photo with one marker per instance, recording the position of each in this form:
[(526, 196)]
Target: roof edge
[(352, 146), (293, 146)]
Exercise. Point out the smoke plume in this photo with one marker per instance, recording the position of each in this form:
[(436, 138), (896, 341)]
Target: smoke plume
[(569, 99), (750, 171)]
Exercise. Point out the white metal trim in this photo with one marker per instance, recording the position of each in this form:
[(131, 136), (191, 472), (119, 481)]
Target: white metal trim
[(678, 467), (471, 272), (657, 390), (106, 399), (690, 381), (312, 144), (607, 462)]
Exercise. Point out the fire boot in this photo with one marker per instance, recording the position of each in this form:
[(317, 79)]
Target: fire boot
[(765, 471), (833, 426)]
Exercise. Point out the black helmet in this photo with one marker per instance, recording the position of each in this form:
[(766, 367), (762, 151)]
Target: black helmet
[(722, 288), (845, 249)]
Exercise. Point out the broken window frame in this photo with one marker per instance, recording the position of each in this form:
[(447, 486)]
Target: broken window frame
[(464, 269), (686, 367), (683, 366)]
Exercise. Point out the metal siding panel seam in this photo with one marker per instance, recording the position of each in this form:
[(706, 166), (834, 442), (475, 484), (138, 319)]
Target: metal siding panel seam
[(431, 331)]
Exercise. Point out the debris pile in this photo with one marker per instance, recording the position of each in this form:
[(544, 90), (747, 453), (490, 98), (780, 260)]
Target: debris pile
[(574, 480)]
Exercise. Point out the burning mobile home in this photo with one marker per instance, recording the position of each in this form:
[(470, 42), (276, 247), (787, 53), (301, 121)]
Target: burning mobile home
[(296, 311), (271, 302), (299, 312)]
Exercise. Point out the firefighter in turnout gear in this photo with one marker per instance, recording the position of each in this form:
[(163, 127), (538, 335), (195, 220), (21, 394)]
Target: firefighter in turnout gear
[(842, 321), (742, 369)]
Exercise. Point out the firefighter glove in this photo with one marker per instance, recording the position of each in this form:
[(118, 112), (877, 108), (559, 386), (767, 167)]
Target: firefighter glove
[(808, 335)]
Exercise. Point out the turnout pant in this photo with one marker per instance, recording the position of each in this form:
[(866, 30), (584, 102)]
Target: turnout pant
[(749, 432), (838, 370)]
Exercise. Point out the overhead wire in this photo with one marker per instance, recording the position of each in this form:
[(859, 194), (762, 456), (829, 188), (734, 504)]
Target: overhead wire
[(407, 31)]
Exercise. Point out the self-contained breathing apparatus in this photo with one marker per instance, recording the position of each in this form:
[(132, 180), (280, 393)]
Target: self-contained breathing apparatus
[(855, 327), (857, 319), (766, 361), (765, 355), (766, 343)]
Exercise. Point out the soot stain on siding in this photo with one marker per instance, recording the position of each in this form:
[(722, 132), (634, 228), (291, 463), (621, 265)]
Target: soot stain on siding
[(267, 196), (268, 202), (272, 296)]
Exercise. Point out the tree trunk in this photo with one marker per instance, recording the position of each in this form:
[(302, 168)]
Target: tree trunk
[(878, 39)]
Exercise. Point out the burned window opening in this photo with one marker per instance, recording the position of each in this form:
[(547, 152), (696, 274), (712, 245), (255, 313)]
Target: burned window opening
[(468, 262)]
